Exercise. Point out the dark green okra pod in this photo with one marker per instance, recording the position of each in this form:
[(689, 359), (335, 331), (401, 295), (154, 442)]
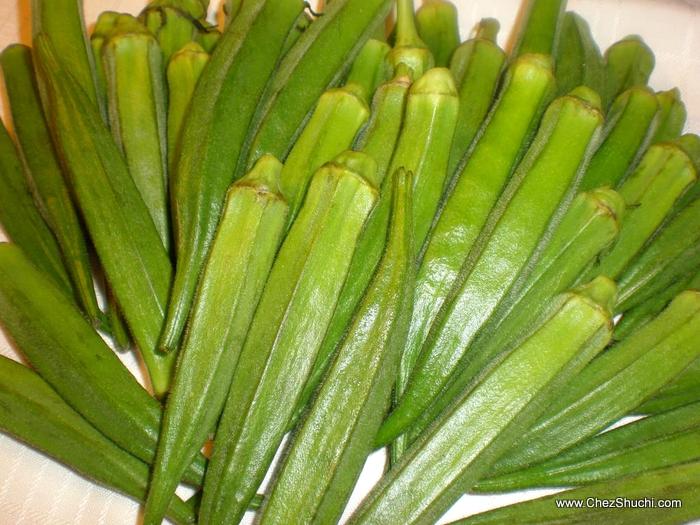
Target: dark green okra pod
[(613, 384), (480, 426), (540, 28), (318, 60), (673, 483), (438, 27), (44, 171), (242, 252), (655, 442), (628, 63), (67, 352), (577, 57), (32, 411), (529, 207), (628, 130), (136, 100), (682, 391), (21, 220), (359, 381), (221, 110), (286, 333), (139, 272)]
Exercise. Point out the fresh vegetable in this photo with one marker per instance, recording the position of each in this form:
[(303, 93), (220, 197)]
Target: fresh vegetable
[(672, 116), (540, 27), (438, 27), (577, 56), (628, 63)]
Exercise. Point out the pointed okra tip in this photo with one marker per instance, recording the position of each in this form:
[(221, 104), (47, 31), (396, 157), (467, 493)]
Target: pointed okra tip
[(357, 163), (435, 81), (264, 176), (589, 96), (602, 292), (487, 29)]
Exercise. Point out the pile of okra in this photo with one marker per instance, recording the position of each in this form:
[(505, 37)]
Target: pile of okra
[(350, 227)]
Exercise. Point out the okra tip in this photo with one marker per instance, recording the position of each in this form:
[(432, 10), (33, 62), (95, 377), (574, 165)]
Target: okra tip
[(358, 163), (264, 177), (589, 96), (602, 291), (487, 29), (435, 81), (534, 64), (610, 202)]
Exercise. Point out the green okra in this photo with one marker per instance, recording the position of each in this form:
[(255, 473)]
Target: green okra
[(577, 57), (673, 483), (476, 65), (286, 333), (183, 72), (21, 219), (410, 56), (61, 21), (117, 326), (136, 100), (590, 225), (378, 140), (370, 69), (139, 271), (690, 144), (317, 61), (672, 254), (67, 352), (176, 23), (672, 116), (104, 26), (650, 192), (681, 392), (540, 27), (529, 207), (655, 442), (613, 384), (483, 423), (45, 175), (32, 412), (497, 150), (628, 129), (222, 107), (628, 63), (242, 253), (359, 381), (438, 27)]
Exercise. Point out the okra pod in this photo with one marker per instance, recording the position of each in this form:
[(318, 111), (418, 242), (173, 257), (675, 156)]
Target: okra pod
[(476, 65), (67, 352), (183, 72), (62, 23), (244, 247), (497, 151), (672, 116), (360, 380), (487, 420), (540, 27), (139, 271), (34, 413), (682, 391), (674, 483), (317, 61), (628, 130), (136, 100), (577, 57), (221, 109), (370, 69), (286, 333), (527, 209), (664, 173), (410, 55), (613, 384), (655, 442), (438, 27), (628, 63), (590, 225), (44, 171), (21, 220)]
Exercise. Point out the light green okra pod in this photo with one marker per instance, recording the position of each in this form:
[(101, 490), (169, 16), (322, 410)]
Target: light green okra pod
[(21, 220), (628, 63), (359, 381), (139, 271), (497, 150), (672, 116), (438, 27), (613, 384), (44, 173), (222, 107), (487, 420), (286, 333), (540, 27), (67, 352), (136, 99), (529, 208), (242, 253), (656, 442), (183, 72), (32, 411)]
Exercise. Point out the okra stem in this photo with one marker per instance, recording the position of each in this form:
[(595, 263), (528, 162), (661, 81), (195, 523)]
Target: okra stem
[(410, 56)]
